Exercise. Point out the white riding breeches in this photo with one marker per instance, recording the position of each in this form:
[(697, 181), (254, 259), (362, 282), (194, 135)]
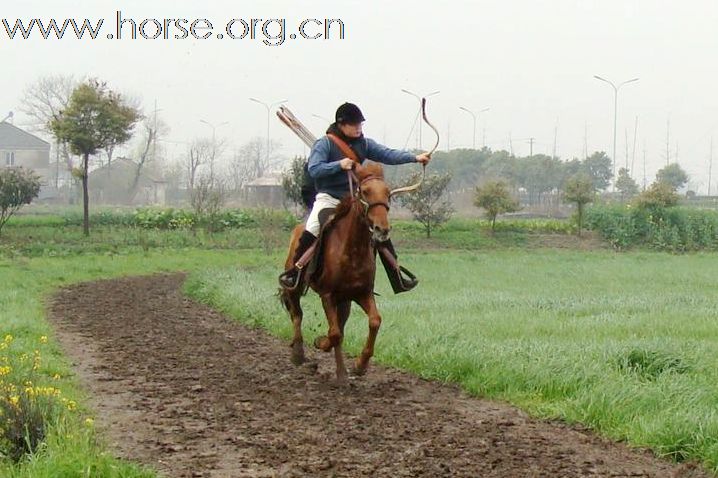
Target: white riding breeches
[(322, 201)]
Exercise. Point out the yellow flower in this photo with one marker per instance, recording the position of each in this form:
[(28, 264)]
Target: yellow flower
[(43, 339), (8, 339), (89, 422), (14, 400), (56, 376), (5, 370)]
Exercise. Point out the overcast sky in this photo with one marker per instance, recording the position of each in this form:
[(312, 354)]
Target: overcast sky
[(531, 62)]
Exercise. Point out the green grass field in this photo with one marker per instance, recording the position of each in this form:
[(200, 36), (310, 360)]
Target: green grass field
[(72, 449), (624, 343)]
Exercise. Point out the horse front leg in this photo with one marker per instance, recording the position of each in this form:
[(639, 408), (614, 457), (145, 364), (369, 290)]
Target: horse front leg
[(291, 301), (333, 339), (368, 304)]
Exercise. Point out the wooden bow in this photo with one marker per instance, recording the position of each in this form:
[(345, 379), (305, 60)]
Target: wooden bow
[(414, 187)]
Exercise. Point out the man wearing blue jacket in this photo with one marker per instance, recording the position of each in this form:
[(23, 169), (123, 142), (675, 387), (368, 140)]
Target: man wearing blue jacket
[(328, 166)]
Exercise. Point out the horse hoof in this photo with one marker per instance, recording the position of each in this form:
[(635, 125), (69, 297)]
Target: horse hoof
[(310, 367), (298, 360), (342, 379), (323, 343), (358, 372)]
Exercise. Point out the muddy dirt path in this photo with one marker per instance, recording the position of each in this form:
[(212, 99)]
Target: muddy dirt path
[(183, 389)]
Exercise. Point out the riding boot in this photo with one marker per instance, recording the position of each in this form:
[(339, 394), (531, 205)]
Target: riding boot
[(291, 278), (400, 278)]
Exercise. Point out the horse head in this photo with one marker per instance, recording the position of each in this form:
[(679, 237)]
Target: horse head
[(374, 197)]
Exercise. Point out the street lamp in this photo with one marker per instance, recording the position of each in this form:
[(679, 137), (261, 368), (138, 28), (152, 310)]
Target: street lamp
[(419, 98), (615, 117), (268, 107), (473, 115)]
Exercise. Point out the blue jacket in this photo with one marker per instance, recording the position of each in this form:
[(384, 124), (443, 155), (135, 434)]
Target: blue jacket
[(324, 159)]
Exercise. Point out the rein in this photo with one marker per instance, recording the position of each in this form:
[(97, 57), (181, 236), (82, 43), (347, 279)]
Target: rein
[(357, 194)]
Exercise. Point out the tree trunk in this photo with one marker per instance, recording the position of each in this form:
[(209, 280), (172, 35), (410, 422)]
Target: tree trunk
[(85, 197), (580, 218)]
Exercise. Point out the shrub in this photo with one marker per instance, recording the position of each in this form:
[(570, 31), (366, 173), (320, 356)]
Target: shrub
[(495, 198), (27, 408), (18, 186), (165, 219), (579, 189), (428, 204), (673, 229)]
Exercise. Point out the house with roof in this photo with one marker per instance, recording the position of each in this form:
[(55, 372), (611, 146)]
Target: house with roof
[(119, 183), (20, 148), (265, 191)]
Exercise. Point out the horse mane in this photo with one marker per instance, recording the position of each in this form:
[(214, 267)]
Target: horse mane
[(370, 168), (344, 206)]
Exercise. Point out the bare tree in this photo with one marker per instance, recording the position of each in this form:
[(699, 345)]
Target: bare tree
[(240, 171), (152, 129), (133, 102), (42, 101), (257, 160), (208, 197), (216, 150), (200, 153)]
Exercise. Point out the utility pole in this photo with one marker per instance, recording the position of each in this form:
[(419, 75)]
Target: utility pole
[(585, 140), (633, 155), (626, 165), (531, 146), (710, 167), (555, 138), (511, 144), (644, 165), (668, 141), (154, 136)]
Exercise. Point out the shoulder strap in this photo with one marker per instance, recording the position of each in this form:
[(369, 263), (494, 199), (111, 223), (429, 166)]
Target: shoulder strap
[(344, 148)]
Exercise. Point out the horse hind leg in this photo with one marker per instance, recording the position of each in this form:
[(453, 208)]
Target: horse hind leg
[(291, 302)]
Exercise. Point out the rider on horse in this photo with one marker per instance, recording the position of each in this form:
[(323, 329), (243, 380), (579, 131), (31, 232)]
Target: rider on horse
[(327, 167)]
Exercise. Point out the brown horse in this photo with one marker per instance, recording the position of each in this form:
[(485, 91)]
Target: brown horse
[(347, 270)]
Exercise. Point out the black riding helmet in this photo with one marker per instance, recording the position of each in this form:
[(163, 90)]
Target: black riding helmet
[(349, 113)]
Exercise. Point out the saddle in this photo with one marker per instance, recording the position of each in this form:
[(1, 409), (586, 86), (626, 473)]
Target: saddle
[(326, 220)]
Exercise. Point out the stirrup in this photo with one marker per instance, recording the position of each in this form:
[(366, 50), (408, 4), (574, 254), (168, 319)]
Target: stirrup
[(290, 279), (410, 281), (400, 283)]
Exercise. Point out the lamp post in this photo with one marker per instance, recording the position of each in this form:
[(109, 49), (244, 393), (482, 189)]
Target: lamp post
[(473, 115), (214, 144), (615, 117), (268, 107), (419, 99)]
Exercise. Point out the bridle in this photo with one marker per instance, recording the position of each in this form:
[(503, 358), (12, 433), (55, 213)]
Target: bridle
[(359, 195)]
